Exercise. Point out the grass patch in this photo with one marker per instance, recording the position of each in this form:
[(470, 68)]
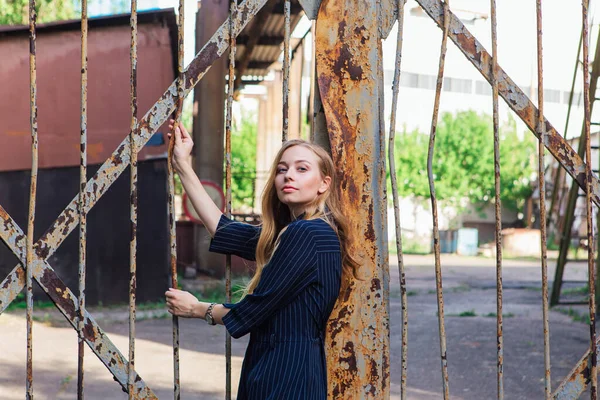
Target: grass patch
[(216, 293), (467, 313), (412, 293), (494, 315), (460, 289), (574, 314), (20, 303), (584, 290)]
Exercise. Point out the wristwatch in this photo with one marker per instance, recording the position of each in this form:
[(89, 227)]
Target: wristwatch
[(208, 317)]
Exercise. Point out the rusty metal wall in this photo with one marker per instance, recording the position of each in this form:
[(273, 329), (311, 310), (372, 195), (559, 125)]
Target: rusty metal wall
[(59, 80)]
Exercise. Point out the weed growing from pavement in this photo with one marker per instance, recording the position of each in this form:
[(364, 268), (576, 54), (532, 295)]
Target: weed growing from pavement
[(494, 315), (575, 315)]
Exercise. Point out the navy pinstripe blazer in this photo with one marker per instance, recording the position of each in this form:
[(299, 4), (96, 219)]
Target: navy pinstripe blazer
[(288, 311)]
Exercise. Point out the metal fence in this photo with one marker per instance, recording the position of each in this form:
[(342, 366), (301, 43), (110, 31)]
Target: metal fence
[(33, 257)]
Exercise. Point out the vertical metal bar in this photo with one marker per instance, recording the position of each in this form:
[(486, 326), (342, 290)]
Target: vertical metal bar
[(498, 207), (81, 205), (541, 130), (436, 231), (230, 88), (133, 202), (32, 194), (171, 187), (286, 70), (588, 184), (392, 137)]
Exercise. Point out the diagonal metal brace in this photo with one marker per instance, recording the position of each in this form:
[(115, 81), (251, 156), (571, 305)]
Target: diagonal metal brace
[(512, 94), (67, 303), (13, 236), (576, 382)]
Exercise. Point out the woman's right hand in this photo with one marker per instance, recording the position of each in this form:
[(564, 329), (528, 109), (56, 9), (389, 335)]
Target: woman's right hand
[(183, 147)]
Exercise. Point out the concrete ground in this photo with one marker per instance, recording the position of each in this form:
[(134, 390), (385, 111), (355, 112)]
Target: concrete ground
[(470, 301)]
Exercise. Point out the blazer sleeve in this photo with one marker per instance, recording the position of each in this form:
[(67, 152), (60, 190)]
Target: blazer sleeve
[(235, 238), (291, 269)]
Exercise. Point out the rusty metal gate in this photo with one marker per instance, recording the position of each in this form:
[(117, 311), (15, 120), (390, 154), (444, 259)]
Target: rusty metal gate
[(348, 58)]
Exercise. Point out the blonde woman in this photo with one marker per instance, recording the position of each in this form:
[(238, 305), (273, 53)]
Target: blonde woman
[(301, 254)]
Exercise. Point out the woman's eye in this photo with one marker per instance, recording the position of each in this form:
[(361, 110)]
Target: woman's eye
[(281, 170), (302, 169)]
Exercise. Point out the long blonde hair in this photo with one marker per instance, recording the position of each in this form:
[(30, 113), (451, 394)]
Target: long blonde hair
[(326, 206)]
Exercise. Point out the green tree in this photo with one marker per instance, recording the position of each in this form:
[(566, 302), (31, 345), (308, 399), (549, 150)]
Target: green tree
[(16, 12), (243, 161), (463, 164)]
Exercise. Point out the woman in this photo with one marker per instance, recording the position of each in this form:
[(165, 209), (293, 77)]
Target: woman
[(301, 254)]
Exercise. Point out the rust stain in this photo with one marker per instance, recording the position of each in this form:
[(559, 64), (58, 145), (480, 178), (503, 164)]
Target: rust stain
[(347, 54)]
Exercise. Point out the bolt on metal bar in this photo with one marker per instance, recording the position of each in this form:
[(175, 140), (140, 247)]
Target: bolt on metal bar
[(392, 137), (436, 231), (589, 207), (171, 189), (133, 200), (230, 92), (498, 206), (32, 194), (541, 133), (81, 204), (286, 70)]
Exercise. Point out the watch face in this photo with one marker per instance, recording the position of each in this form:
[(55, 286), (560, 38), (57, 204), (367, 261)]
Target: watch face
[(214, 191)]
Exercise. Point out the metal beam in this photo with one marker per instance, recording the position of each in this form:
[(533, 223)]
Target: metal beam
[(513, 95), (575, 383), (243, 40), (47, 278)]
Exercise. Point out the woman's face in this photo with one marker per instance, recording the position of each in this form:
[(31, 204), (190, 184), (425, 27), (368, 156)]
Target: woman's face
[(298, 178)]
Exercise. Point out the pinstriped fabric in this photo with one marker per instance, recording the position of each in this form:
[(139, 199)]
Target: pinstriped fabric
[(288, 311)]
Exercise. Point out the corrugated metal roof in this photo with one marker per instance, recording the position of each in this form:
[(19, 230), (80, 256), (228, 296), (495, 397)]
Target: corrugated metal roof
[(270, 45)]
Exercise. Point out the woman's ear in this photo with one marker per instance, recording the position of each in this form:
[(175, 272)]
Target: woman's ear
[(325, 185)]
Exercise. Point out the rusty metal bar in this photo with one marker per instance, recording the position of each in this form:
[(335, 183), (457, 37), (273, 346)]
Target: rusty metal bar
[(230, 93), (81, 207), (116, 164), (436, 231), (133, 197), (498, 206), (286, 70), (66, 302), (512, 94), (171, 190), (541, 131), (555, 195), (589, 206), (13, 236), (392, 138), (32, 194)]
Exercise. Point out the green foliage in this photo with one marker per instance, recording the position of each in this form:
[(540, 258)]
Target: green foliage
[(463, 162), (16, 12), (243, 161)]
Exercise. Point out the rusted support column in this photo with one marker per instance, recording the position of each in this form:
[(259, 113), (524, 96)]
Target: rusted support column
[(209, 123), (171, 196), (498, 206), (32, 194), (348, 56), (286, 70), (541, 133), (434, 211), (392, 137), (133, 198), (81, 204), (230, 93), (588, 201)]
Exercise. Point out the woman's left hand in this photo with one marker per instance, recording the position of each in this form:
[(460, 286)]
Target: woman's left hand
[(182, 304)]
